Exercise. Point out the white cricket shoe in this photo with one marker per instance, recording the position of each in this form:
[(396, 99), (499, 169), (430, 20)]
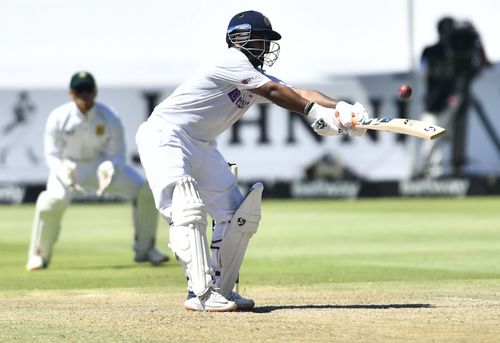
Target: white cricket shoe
[(211, 301), (193, 304), (244, 304), (35, 262), (153, 256)]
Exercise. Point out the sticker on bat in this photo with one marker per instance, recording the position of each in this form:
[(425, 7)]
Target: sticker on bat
[(374, 121), (430, 128)]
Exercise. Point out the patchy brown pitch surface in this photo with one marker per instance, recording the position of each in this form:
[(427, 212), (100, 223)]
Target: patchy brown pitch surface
[(381, 314)]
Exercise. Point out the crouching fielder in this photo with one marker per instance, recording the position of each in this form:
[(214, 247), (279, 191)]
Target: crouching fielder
[(189, 177), (85, 151)]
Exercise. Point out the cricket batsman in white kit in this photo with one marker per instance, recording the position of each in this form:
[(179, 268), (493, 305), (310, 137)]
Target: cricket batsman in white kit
[(85, 150), (189, 177)]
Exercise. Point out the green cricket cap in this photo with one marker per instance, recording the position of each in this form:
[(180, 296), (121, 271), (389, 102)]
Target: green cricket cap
[(82, 78)]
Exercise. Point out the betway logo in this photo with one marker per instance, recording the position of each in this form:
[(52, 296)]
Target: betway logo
[(454, 187), (11, 194), (325, 189)]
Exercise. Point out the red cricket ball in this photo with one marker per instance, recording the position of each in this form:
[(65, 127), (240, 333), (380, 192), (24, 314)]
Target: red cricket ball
[(405, 91)]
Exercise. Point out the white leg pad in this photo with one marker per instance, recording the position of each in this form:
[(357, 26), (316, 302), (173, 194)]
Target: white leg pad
[(145, 218), (46, 225), (187, 238), (235, 241)]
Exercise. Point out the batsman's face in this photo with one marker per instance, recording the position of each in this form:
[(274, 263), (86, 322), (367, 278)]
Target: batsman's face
[(263, 49), (258, 42), (84, 98)]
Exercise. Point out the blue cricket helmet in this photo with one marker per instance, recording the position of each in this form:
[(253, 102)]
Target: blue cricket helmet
[(252, 21)]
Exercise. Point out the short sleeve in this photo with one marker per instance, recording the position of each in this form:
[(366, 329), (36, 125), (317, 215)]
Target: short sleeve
[(235, 69)]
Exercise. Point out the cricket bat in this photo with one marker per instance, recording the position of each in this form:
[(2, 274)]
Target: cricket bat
[(412, 127)]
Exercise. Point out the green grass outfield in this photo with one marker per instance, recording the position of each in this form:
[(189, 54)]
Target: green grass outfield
[(299, 242), (301, 245)]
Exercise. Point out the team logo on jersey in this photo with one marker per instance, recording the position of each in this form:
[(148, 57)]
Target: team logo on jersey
[(238, 98), (100, 129)]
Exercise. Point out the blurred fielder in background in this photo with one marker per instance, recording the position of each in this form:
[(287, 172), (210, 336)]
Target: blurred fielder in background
[(189, 177), (85, 150), (449, 67)]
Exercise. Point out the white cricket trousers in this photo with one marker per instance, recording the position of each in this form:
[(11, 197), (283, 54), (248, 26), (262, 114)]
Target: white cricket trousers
[(168, 153)]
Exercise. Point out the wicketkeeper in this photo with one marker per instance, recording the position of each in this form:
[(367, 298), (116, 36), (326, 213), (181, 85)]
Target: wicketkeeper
[(189, 177), (85, 151)]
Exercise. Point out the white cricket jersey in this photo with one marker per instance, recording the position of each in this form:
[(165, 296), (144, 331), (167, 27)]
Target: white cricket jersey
[(96, 136), (214, 98)]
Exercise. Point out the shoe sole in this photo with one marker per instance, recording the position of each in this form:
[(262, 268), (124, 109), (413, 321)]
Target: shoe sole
[(232, 309), (222, 310), (192, 309), (36, 268)]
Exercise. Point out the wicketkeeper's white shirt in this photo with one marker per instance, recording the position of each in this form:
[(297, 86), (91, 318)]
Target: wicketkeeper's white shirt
[(94, 137), (87, 140)]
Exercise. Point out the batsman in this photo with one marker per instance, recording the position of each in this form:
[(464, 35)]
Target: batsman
[(189, 177), (85, 150)]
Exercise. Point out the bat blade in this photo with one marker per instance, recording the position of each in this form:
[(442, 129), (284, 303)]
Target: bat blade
[(412, 127)]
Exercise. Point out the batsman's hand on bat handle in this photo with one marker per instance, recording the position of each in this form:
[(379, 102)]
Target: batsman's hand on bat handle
[(341, 120), (105, 173), (358, 114), (324, 121)]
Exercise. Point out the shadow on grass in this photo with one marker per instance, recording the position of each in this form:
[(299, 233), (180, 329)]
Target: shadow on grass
[(123, 266), (267, 309)]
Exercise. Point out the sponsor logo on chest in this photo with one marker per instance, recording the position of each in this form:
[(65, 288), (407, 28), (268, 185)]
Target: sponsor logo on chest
[(250, 79), (241, 100)]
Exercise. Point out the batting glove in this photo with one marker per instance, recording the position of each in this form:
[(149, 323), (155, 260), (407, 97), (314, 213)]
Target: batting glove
[(361, 115), (324, 123), (349, 115)]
